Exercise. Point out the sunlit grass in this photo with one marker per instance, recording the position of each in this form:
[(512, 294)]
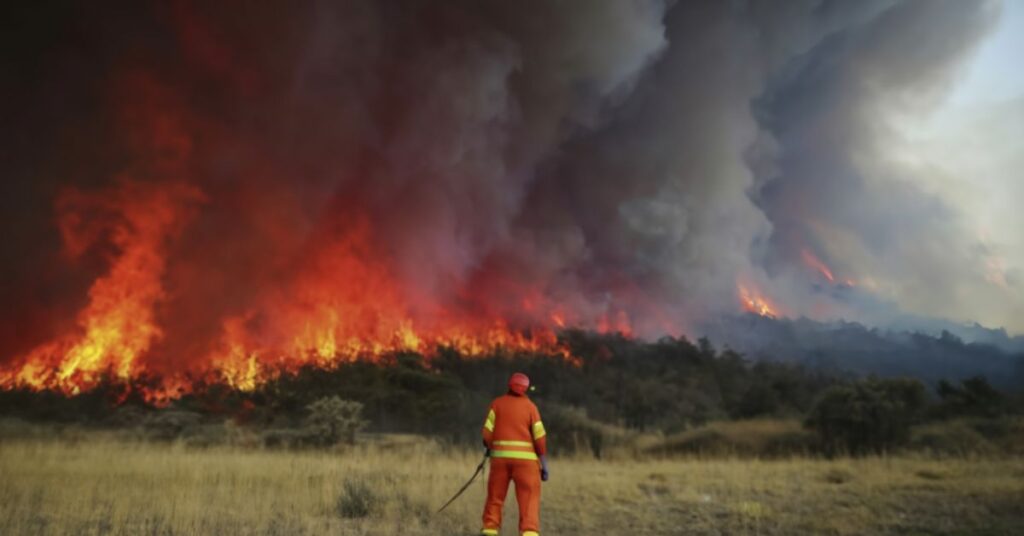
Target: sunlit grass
[(104, 486)]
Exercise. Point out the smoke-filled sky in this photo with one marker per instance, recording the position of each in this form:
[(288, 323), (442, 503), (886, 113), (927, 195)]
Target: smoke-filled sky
[(249, 173)]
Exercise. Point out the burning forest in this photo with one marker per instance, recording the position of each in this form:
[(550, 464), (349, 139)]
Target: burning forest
[(230, 191), (718, 266)]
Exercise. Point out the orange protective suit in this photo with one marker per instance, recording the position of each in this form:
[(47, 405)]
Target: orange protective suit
[(515, 434)]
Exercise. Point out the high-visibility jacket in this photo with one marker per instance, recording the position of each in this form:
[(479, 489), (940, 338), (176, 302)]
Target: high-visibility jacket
[(513, 428)]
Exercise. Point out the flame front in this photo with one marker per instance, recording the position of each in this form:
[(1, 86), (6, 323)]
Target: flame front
[(346, 304), (241, 365), (118, 324), (754, 302)]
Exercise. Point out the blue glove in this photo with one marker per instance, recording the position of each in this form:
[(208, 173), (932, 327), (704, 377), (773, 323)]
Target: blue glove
[(544, 468)]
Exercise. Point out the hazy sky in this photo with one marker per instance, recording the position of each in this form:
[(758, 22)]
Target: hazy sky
[(973, 145), (996, 73)]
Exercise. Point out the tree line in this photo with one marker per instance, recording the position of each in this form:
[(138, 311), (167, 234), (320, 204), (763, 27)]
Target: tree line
[(612, 383)]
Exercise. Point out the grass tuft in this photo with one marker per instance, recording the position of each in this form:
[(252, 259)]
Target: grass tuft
[(837, 476), (357, 500), (930, 474)]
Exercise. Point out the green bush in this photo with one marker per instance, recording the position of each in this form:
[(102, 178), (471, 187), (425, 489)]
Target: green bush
[(950, 438), (837, 476), (357, 500), (973, 397), (1005, 433), (760, 438), (291, 438), (170, 424), (333, 420), (571, 430), (869, 416)]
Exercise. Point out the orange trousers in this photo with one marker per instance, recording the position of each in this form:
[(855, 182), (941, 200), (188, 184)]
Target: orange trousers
[(526, 475)]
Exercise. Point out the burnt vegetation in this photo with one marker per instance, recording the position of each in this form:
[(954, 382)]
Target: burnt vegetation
[(697, 399)]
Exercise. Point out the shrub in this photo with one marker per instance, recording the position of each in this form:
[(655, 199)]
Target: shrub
[(291, 438), (837, 476), (765, 438), (357, 500), (929, 474), (170, 424), (973, 397), (127, 416), (1013, 440), (951, 438), (571, 430), (869, 416), (333, 419)]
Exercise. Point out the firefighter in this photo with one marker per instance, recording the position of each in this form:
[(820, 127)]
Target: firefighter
[(515, 436)]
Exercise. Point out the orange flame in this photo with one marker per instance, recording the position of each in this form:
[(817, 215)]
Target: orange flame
[(241, 366), (811, 260), (558, 318), (347, 305), (346, 301), (118, 324), (754, 302)]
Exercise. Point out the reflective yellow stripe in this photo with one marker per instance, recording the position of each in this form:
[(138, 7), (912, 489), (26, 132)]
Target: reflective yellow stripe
[(530, 533), (513, 443), (490, 532), (538, 430), (514, 454), (489, 423)]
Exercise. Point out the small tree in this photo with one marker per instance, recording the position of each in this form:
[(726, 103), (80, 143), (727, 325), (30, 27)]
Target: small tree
[(974, 397), (868, 416), (333, 419)]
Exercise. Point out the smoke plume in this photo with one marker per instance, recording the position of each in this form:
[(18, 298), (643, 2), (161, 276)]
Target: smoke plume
[(335, 178)]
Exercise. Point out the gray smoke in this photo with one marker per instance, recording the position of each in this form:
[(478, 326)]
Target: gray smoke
[(831, 181), (634, 157)]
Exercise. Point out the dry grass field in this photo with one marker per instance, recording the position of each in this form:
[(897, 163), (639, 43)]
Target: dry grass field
[(98, 485)]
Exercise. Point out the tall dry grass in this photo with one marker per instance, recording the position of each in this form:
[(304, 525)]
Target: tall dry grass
[(100, 485)]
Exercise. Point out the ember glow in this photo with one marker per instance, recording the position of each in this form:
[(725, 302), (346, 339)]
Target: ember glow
[(812, 260), (995, 272)]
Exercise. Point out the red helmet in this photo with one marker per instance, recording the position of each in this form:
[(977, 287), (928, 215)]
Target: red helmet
[(519, 383)]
